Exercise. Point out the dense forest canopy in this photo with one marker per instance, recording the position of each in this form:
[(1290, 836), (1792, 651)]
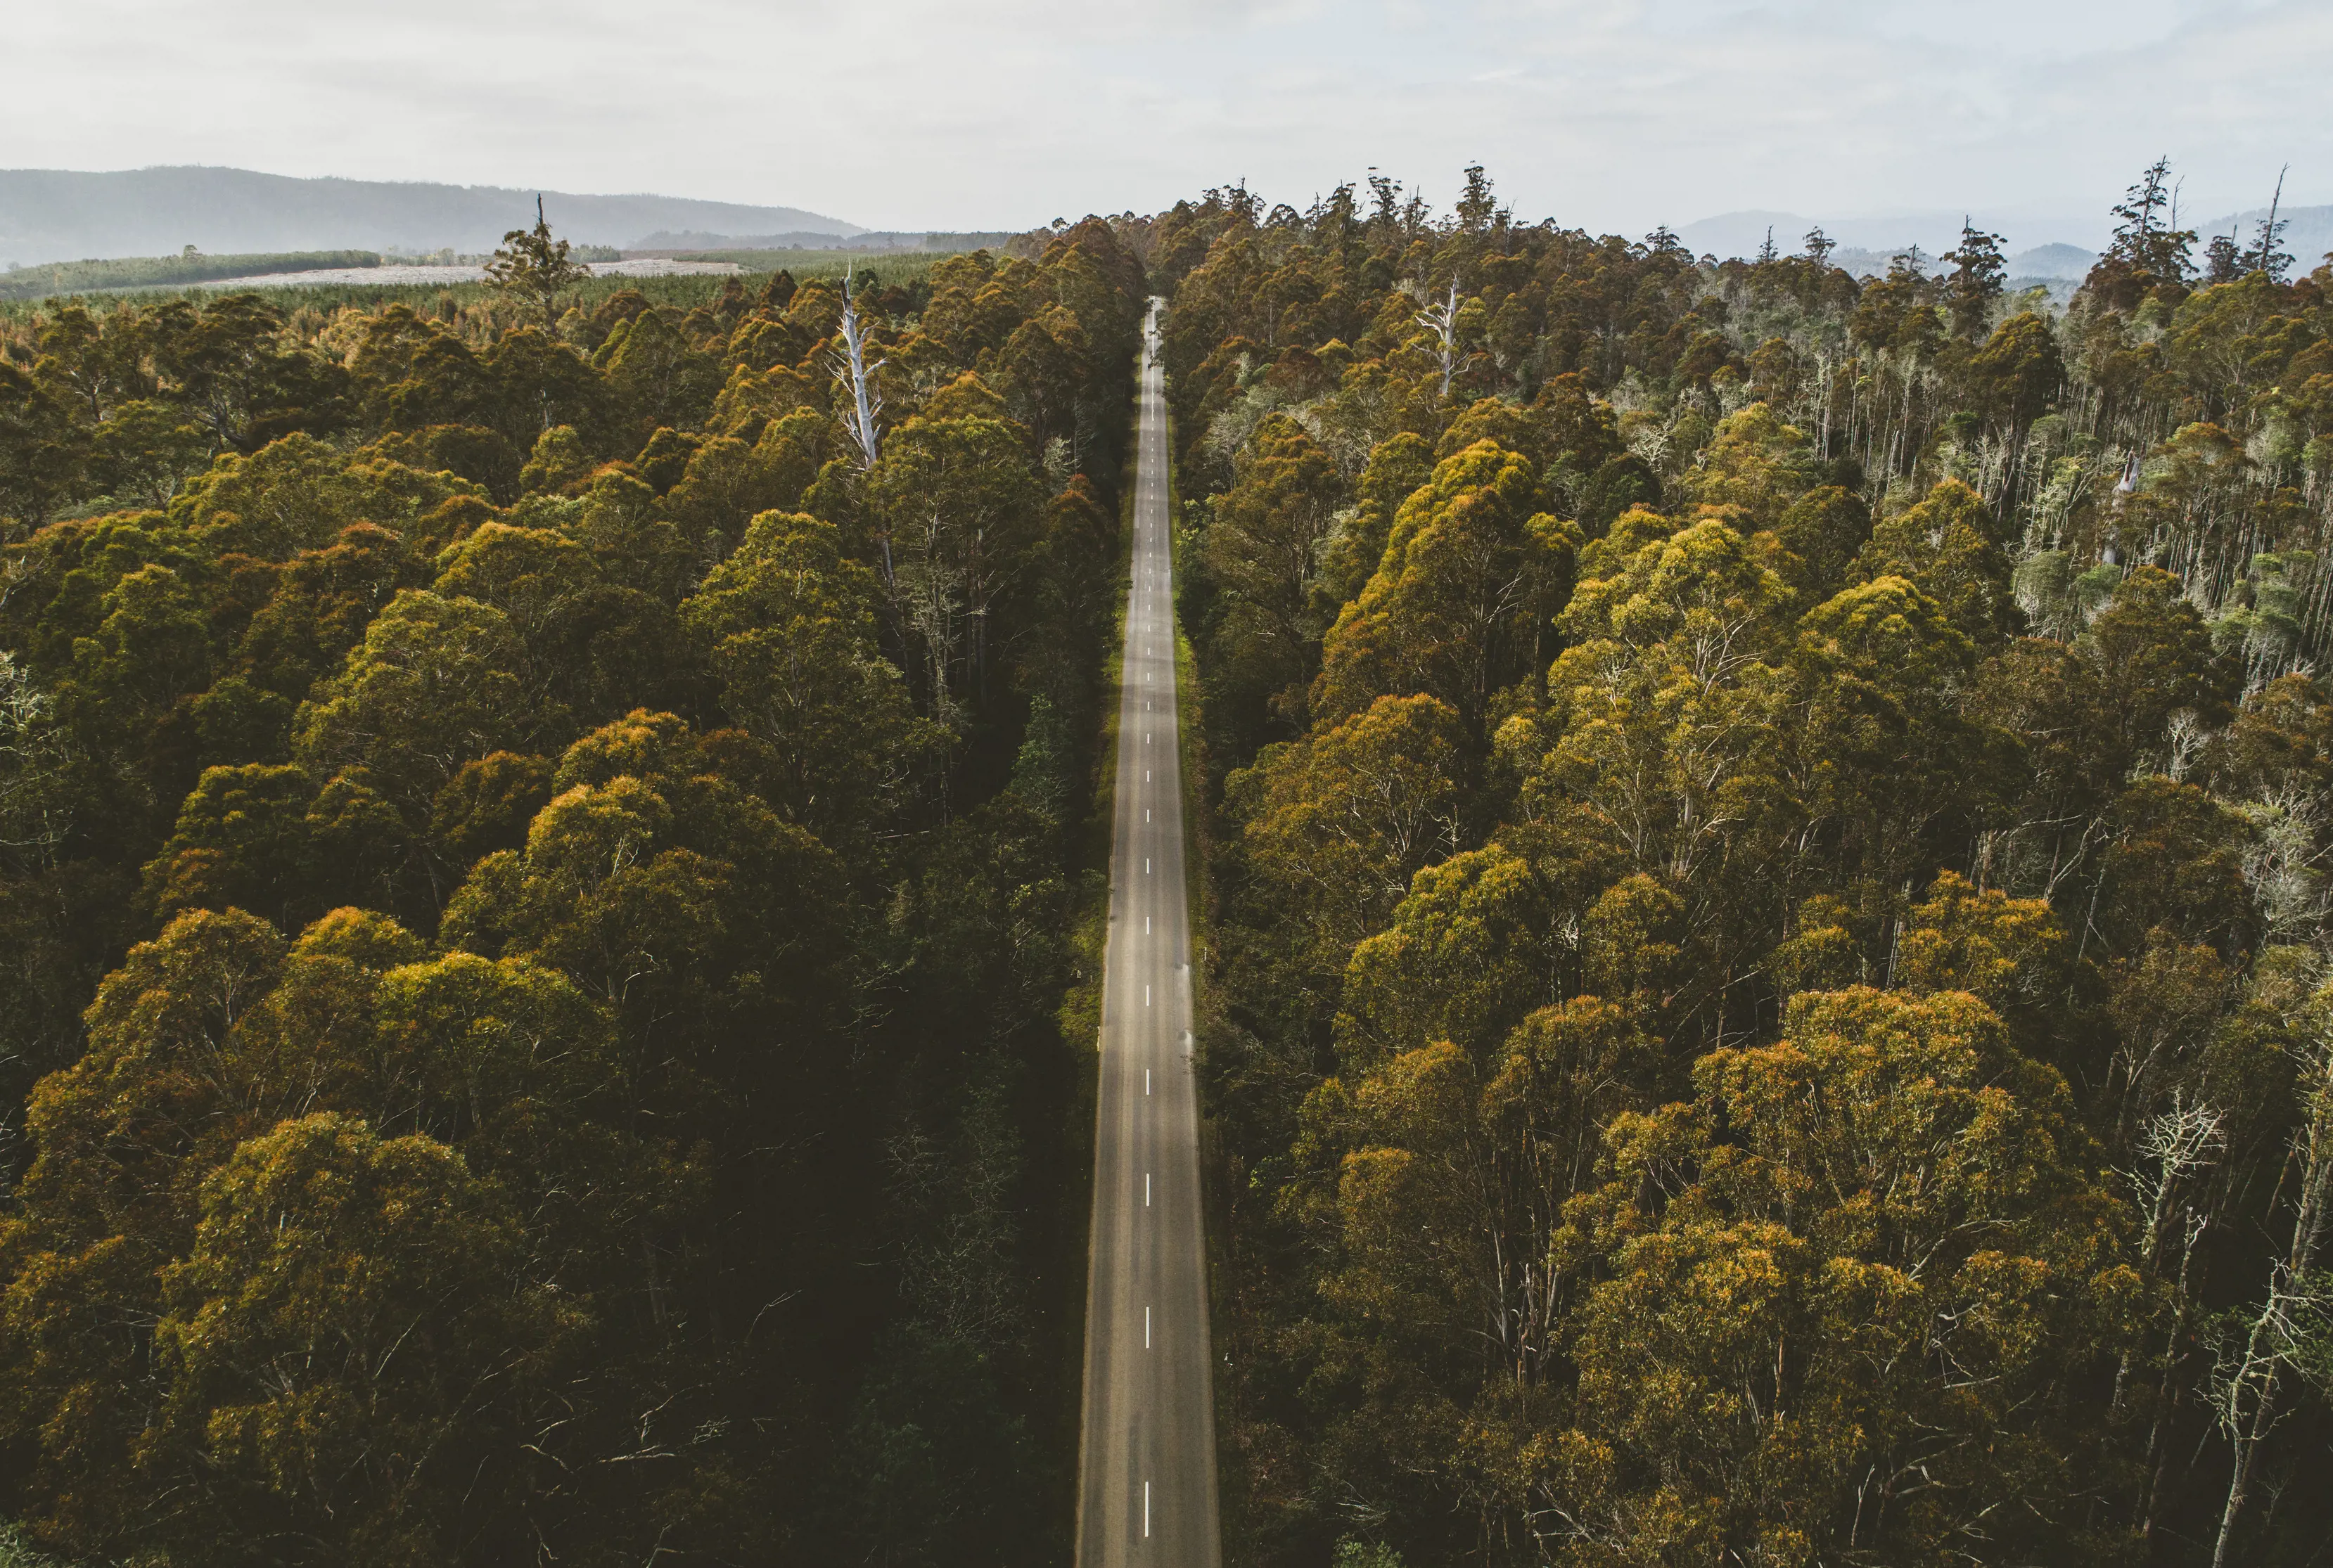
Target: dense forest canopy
[(543, 866), (1767, 984), (1764, 987)]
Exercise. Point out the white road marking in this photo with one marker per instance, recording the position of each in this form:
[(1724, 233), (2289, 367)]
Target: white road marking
[(1146, 1189), (1146, 814), (1145, 925), (1145, 1080), (1146, 865), (1146, 775), (1146, 996), (1146, 1510), (1145, 1328)]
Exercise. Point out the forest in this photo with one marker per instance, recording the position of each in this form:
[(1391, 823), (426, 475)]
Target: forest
[(1767, 994), (546, 885), (1763, 965)]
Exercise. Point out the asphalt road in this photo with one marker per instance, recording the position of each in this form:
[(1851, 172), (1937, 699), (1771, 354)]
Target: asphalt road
[(1146, 1465)]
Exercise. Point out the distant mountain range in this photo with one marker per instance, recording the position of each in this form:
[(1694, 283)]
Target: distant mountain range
[(60, 214), (1867, 245)]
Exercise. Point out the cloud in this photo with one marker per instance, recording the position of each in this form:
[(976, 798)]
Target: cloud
[(920, 112)]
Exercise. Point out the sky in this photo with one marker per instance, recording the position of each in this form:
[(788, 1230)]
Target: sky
[(1612, 115)]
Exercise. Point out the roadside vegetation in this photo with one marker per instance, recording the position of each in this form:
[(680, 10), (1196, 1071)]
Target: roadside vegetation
[(539, 857), (1768, 995)]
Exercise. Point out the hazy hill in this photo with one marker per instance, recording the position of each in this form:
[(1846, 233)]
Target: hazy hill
[(2070, 261), (60, 214), (1740, 234)]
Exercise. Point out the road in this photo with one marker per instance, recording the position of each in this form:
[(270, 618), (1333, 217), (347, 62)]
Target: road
[(1146, 1463)]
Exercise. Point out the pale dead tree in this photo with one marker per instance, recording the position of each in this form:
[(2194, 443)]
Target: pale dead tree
[(2248, 1383), (1440, 319), (2283, 865), (2186, 735), (2177, 1144), (851, 365)]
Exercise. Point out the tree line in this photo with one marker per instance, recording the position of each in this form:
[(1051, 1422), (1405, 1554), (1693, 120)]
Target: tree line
[(541, 852), (1766, 991)]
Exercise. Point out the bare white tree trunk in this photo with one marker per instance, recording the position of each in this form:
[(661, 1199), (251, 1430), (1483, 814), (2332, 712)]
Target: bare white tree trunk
[(852, 366), (1442, 321), (2247, 1393), (2177, 1144)]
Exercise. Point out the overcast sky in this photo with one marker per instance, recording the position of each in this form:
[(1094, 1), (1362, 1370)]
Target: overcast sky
[(1612, 114)]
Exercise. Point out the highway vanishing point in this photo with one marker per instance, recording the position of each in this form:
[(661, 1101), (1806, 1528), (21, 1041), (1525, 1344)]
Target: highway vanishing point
[(1147, 1455)]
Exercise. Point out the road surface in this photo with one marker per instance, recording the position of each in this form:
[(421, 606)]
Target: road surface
[(1146, 1464)]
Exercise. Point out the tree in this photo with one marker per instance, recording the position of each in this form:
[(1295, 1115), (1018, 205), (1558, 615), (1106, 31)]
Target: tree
[(119, 1143), (2017, 374), (2144, 235), (435, 686), (43, 449), (2149, 251), (145, 450), (1459, 605), (1655, 752), (788, 623), (229, 367), (957, 514), (530, 261), (1949, 544), (2264, 257), (1462, 961), (1844, 1330), (1974, 282), (2285, 1333), (1883, 761), (242, 841), (2222, 261), (1756, 463), (341, 1344), (1337, 824), (1441, 319), (2153, 658), (851, 368), (1263, 556)]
